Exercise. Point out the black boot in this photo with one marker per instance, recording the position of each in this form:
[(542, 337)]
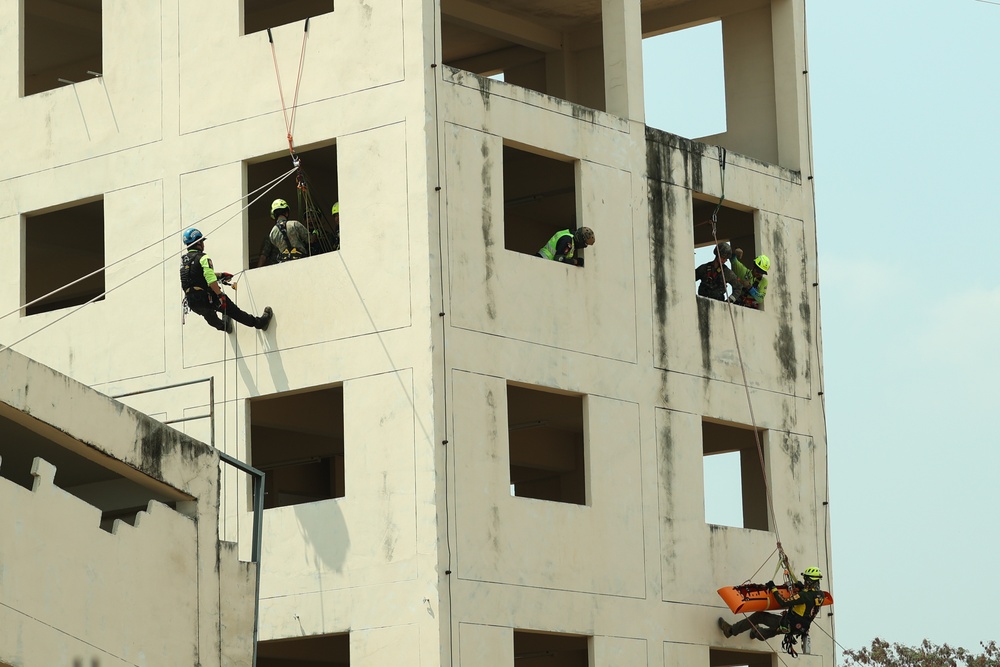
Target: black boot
[(265, 319), (725, 627)]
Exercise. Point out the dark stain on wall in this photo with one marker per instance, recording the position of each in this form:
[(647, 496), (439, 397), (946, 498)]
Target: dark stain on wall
[(489, 261), (155, 445), (659, 206), (666, 473), (777, 289), (583, 113), (790, 446), (705, 331), (484, 89)]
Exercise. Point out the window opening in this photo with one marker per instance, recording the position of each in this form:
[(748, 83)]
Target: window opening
[(546, 445), (536, 47), (62, 40), (263, 14), (735, 465), (734, 226), (319, 212), (539, 199), (116, 496), (321, 651), (60, 247), (684, 81), (542, 649), (720, 658), (298, 440)]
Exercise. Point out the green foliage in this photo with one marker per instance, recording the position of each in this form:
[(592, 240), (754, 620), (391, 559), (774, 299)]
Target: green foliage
[(883, 654)]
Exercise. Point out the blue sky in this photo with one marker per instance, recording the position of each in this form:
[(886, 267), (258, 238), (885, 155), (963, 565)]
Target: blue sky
[(905, 107)]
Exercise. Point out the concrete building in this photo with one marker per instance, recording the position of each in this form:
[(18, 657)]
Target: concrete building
[(109, 541), (475, 456)]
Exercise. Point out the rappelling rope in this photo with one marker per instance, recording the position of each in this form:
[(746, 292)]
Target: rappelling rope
[(265, 189), (269, 186), (782, 557), (289, 117)]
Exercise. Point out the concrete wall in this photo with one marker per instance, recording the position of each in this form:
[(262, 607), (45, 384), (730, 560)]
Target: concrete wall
[(150, 593), (427, 553)]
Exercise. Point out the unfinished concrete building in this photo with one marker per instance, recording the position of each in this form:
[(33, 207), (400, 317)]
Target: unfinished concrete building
[(109, 535), (474, 456)]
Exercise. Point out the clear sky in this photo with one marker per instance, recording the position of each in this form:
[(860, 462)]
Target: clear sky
[(905, 110)]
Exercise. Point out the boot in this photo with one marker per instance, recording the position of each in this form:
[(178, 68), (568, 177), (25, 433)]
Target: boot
[(227, 323), (725, 627), (265, 319)]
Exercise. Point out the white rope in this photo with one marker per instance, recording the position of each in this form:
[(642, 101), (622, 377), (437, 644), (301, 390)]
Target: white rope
[(270, 186)]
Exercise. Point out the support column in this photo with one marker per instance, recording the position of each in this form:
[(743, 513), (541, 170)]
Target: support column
[(622, 32)]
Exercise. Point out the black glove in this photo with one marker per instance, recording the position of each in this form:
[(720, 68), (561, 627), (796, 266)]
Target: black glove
[(224, 277), (222, 300), (769, 585)]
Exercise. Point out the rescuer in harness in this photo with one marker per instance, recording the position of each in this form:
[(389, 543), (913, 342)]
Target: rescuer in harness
[(288, 239), (202, 292), (800, 608), (754, 282), (712, 280), (563, 245)]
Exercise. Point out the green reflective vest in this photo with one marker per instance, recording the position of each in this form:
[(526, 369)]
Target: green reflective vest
[(548, 251)]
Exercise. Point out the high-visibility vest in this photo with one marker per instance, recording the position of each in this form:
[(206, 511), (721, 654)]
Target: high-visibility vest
[(548, 251)]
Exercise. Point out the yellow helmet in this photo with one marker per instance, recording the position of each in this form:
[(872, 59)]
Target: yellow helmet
[(336, 208), (764, 264), (812, 573), (277, 205)]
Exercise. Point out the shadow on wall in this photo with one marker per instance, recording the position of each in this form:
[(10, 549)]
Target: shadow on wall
[(324, 531)]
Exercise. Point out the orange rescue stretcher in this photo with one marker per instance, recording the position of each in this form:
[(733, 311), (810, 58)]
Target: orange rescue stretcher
[(747, 598)]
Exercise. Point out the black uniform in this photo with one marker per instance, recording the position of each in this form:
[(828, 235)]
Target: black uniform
[(203, 300), (713, 283), (800, 609)]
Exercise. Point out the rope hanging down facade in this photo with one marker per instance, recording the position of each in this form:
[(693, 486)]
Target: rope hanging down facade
[(783, 563), (324, 234)]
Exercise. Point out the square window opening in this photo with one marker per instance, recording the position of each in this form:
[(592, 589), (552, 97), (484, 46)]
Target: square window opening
[(62, 40), (543, 649), (540, 199), (734, 226), (316, 208), (263, 14), (320, 651), (60, 247), (735, 492), (96, 484), (546, 445), (722, 658), (700, 111), (298, 440), (543, 50)]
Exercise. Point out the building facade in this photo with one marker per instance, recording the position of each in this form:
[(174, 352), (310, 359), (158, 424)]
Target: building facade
[(109, 535), (474, 455)]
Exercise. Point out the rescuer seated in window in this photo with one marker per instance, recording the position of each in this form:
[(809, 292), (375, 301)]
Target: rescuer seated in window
[(754, 282), (202, 293), (288, 240), (563, 245), (801, 607), (713, 277)]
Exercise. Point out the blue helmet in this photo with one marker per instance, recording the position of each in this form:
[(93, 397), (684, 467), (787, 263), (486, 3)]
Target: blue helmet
[(192, 236)]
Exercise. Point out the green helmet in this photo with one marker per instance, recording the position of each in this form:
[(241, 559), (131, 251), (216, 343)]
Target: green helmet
[(812, 573), (278, 205), (764, 264), (335, 209)]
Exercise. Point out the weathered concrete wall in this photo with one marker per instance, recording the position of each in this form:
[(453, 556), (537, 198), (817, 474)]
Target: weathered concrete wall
[(427, 554), (145, 594)]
